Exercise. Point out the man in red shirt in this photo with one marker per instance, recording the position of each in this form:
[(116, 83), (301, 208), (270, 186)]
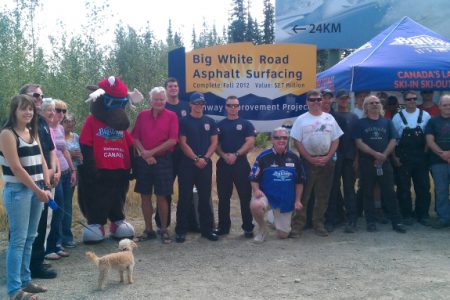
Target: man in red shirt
[(155, 134), (428, 104)]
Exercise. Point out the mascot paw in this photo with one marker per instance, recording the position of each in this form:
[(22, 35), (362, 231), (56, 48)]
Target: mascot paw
[(121, 229), (94, 233)]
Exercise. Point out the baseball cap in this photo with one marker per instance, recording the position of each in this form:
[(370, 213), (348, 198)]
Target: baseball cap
[(197, 98), (342, 94), (327, 92)]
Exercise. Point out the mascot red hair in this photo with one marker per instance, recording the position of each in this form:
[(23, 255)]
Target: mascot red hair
[(107, 149)]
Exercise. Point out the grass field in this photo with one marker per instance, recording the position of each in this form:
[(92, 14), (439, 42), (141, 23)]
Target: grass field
[(133, 203)]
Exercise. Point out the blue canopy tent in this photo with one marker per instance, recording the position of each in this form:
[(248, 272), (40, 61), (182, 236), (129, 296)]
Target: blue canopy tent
[(405, 56)]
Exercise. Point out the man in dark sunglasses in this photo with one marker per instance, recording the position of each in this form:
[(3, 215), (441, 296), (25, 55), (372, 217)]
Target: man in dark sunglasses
[(277, 178), (236, 139), (316, 137), (410, 157)]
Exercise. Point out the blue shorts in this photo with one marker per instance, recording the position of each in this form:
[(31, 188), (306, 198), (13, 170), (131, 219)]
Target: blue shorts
[(157, 177)]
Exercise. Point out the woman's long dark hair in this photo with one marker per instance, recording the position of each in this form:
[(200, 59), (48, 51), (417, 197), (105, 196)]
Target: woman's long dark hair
[(22, 102)]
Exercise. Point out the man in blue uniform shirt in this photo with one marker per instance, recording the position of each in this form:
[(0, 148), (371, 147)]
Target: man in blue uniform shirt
[(236, 139), (277, 181), (198, 141)]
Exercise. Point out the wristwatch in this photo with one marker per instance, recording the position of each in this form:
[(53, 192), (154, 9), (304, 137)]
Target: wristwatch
[(196, 159), (236, 153)]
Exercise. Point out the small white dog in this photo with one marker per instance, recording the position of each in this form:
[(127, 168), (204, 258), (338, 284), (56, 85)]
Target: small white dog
[(121, 261)]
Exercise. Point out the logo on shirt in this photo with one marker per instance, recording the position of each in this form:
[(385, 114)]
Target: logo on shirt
[(183, 113), (110, 133), (207, 127), (282, 175), (239, 127)]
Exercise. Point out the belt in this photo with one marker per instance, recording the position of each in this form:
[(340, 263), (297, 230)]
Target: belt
[(65, 172)]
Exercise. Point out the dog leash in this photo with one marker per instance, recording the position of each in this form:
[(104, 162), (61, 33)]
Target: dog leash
[(54, 206)]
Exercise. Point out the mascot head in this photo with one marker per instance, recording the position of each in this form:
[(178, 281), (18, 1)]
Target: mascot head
[(109, 100)]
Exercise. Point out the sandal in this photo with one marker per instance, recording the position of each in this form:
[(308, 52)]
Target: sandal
[(165, 237), (34, 288), (22, 295), (147, 235)]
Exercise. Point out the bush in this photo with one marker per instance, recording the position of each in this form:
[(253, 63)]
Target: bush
[(262, 140)]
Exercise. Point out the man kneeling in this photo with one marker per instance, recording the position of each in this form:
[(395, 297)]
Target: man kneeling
[(277, 178)]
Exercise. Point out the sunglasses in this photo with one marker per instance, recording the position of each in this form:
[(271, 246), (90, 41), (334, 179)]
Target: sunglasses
[(60, 110), (284, 138), (232, 105), (315, 99), (36, 95), (111, 102), (411, 99), (374, 103)]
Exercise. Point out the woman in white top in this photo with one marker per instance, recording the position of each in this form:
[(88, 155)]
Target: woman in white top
[(24, 170)]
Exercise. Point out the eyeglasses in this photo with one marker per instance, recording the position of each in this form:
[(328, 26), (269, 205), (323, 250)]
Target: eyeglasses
[(411, 99), (36, 95), (284, 138), (60, 110), (232, 105), (315, 99), (374, 103)]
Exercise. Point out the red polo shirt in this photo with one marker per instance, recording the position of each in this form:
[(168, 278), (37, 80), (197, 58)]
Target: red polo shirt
[(152, 132)]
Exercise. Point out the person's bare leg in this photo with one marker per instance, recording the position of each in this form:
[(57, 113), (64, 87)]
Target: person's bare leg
[(147, 211), (163, 211)]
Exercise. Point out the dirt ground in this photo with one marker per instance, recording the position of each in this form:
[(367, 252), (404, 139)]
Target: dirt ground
[(362, 265), (381, 265)]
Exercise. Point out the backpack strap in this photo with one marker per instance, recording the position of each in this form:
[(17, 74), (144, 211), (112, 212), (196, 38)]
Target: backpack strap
[(419, 119), (403, 118)]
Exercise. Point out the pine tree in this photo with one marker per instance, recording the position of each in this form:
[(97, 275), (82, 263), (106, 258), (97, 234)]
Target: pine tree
[(237, 27), (268, 25)]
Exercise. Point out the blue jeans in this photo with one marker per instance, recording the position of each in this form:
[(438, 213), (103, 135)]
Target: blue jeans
[(66, 226), (63, 190), (441, 177), (24, 210)]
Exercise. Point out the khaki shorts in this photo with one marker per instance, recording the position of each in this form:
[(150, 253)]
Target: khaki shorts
[(282, 221)]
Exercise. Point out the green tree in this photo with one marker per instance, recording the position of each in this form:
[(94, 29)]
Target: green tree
[(268, 35), (238, 24)]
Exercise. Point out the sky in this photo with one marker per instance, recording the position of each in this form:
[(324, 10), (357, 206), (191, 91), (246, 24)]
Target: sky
[(184, 14)]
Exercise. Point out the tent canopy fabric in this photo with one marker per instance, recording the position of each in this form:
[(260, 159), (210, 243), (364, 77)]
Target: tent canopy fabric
[(405, 56)]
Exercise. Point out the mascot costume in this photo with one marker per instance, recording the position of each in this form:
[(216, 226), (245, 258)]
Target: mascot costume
[(107, 149)]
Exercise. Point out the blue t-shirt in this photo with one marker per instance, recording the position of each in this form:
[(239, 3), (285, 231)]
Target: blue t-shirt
[(198, 132), (374, 133), (439, 127), (181, 109), (232, 133), (277, 175), (347, 147)]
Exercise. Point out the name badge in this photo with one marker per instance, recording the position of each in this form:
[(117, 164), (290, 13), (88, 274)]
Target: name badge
[(291, 165)]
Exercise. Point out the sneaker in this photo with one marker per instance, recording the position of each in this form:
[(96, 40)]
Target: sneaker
[(248, 234), (43, 273), (371, 227), (321, 231), (350, 227), (425, 221), (52, 256), (329, 227), (69, 244), (295, 234), (260, 236), (400, 228), (439, 224), (180, 238)]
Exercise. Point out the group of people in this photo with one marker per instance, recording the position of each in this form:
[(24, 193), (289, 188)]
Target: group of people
[(40, 153)]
